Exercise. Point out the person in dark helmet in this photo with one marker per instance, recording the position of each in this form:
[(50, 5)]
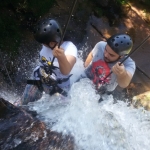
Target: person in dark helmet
[(106, 57), (50, 76)]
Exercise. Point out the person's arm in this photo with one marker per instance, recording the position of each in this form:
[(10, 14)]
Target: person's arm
[(66, 62), (88, 59), (123, 76)]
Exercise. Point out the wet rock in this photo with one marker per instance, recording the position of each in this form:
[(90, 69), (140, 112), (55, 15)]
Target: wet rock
[(19, 130), (138, 93), (134, 89), (142, 100)]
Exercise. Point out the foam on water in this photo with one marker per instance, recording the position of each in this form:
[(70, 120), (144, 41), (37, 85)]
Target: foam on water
[(95, 126)]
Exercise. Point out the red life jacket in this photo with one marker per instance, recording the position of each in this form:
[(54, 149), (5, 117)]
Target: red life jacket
[(100, 70)]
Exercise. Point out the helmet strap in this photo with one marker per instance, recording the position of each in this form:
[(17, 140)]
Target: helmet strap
[(53, 46), (47, 45)]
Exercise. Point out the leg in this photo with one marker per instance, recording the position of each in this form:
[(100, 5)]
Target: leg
[(31, 94)]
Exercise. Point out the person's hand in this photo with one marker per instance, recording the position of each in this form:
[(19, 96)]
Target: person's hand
[(118, 69), (58, 52)]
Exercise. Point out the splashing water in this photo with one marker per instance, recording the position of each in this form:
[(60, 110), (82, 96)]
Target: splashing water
[(95, 126), (9, 96)]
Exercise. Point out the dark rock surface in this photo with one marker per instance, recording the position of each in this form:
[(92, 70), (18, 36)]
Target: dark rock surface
[(20, 130)]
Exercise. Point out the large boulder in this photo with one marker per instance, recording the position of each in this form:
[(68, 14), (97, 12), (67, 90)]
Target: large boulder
[(142, 100), (21, 130)]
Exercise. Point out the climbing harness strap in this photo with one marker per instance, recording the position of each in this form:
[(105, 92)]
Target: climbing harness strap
[(48, 66), (64, 31), (38, 83), (61, 80), (53, 89), (50, 81)]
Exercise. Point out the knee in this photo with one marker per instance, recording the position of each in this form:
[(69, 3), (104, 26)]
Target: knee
[(31, 94)]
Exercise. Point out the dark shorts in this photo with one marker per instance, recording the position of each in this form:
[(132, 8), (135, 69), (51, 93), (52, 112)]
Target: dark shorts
[(32, 93)]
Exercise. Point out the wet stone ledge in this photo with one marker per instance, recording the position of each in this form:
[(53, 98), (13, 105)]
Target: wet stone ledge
[(20, 130)]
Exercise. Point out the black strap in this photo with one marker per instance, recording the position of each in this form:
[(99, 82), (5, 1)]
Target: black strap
[(54, 89), (59, 81), (38, 83)]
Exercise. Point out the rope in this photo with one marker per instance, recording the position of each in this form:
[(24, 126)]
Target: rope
[(143, 42), (65, 28)]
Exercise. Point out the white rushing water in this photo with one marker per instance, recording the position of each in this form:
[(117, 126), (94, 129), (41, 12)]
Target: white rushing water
[(95, 126)]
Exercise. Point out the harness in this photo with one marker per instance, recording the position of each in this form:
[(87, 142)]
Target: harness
[(47, 76), (53, 89)]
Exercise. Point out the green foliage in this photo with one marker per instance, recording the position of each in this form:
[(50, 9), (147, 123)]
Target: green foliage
[(98, 11), (122, 2), (15, 17), (146, 2), (40, 7), (5, 3), (10, 35)]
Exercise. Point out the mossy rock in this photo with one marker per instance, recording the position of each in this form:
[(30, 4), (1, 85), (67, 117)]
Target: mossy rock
[(142, 100)]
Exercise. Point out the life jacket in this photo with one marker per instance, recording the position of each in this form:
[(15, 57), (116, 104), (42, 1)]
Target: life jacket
[(100, 70)]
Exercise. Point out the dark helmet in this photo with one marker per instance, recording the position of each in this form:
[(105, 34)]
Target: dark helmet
[(120, 43), (47, 30)]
